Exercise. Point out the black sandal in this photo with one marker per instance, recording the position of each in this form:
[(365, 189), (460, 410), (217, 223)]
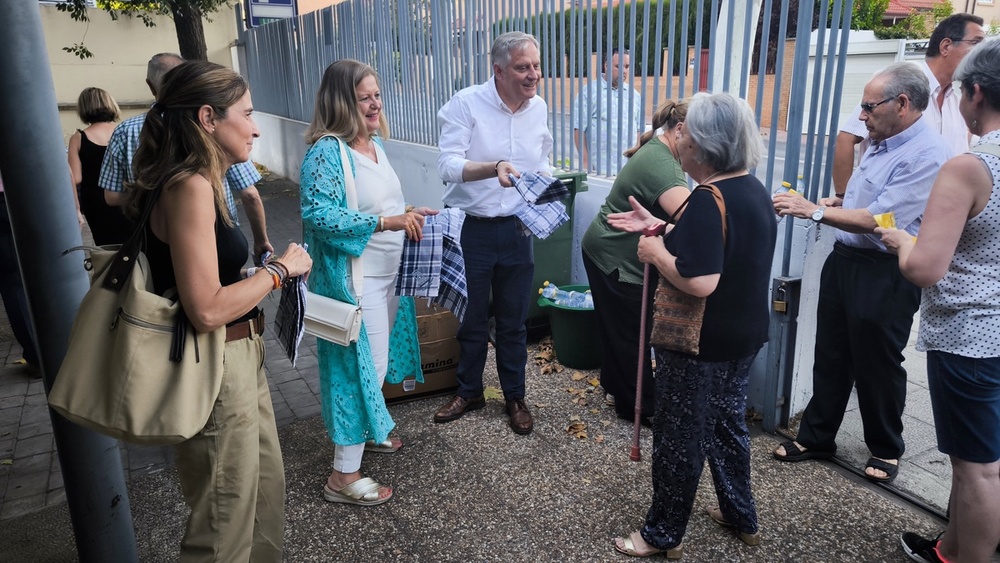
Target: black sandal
[(890, 470), (793, 453)]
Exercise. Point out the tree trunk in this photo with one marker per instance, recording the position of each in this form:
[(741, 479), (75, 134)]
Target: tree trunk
[(190, 30)]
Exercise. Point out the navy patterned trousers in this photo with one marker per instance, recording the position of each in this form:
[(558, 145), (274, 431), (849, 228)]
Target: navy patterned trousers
[(700, 414)]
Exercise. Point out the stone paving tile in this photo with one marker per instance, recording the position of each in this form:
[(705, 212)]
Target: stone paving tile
[(27, 485), (32, 430), (12, 402), (30, 447)]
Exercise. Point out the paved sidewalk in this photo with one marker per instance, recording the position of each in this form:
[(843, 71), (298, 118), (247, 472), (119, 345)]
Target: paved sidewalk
[(471, 489)]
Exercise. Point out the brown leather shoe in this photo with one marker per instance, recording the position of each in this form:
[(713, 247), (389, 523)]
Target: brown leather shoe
[(520, 416), (458, 406)]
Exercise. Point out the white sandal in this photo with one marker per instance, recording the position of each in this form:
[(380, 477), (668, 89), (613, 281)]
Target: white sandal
[(363, 492)]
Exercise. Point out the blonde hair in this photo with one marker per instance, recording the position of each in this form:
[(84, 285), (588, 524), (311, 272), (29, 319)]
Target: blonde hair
[(337, 112), (173, 145), (96, 106), (667, 116)]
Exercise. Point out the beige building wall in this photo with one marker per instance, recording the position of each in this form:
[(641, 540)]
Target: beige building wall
[(989, 10), (121, 50)]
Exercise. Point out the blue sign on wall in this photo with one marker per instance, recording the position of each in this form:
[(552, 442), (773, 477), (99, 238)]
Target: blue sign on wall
[(266, 11)]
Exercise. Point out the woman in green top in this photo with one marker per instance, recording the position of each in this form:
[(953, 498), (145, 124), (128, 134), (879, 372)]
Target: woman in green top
[(654, 177)]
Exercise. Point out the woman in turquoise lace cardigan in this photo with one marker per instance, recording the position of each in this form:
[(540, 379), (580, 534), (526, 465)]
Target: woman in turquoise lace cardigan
[(349, 111)]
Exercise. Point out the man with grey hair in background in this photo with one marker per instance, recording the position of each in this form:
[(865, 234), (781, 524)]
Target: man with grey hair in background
[(488, 133), (866, 306), (116, 169)]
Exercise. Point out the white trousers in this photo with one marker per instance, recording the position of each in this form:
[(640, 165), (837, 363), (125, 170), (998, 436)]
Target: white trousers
[(378, 311)]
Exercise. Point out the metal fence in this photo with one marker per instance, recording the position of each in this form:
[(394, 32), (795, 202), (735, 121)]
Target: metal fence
[(426, 50)]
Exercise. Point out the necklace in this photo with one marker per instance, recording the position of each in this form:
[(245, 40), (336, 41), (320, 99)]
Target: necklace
[(706, 180)]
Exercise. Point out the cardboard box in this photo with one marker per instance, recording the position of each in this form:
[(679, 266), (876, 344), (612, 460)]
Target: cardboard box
[(440, 363), (439, 353), (434, 322)]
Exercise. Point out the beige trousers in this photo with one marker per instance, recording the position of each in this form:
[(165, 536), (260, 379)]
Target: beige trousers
[(231, 472)]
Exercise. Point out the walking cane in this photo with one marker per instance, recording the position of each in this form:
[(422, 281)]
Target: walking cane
[(634, 455)]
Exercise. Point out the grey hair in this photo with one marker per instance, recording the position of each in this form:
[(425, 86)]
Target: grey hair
[(725, 130), (159, 65), (906, 78), (981, 66), (507, 43)]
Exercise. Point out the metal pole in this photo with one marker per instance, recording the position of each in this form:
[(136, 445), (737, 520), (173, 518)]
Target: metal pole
[(43, 219)]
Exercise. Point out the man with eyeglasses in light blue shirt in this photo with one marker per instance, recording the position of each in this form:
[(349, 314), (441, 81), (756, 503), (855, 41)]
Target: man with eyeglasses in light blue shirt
[(866, 306), (950, 41)]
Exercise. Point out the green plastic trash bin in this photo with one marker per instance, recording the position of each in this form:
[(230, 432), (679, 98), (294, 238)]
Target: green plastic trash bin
[(554, 254), (574, 332)]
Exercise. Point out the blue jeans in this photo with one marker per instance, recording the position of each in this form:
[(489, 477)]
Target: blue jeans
[(497, 258), (14, 301)]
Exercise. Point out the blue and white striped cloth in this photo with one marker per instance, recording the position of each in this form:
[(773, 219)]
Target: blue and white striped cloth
[(435, 266), (544, 212)]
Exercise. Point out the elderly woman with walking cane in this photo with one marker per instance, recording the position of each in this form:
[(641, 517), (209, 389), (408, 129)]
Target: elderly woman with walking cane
[(720, 249)]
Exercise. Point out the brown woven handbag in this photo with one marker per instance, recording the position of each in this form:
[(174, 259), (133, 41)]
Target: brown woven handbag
[(677, 316)]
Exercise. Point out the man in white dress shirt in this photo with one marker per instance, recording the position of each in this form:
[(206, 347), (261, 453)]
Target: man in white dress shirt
[(951, 40), (488, 132)]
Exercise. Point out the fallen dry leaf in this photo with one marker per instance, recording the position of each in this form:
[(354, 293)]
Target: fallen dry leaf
[(577, 376), (492, 393), (599, 438), (594, 411), (546, 355), (606, 423), (594, 382), (540, 405)]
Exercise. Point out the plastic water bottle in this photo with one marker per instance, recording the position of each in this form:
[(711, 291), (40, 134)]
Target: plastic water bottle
[(576, 300), (786, 188), (800, 185), (572, 299), (551, 291)]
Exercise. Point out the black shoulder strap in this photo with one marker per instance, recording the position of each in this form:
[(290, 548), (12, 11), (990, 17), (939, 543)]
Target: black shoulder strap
[(123, 262)]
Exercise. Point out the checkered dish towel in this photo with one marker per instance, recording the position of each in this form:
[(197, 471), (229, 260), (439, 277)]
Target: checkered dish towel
[(435, 266)]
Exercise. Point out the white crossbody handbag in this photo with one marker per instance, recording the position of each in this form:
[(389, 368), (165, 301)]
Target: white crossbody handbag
[(327, 318)]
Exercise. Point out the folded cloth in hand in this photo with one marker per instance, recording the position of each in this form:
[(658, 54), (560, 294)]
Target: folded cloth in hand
[(537, 189), (435, 266), (542, 220)]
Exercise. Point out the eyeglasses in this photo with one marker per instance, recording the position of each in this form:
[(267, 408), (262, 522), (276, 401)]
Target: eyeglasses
[(973, 42), (871, 107)]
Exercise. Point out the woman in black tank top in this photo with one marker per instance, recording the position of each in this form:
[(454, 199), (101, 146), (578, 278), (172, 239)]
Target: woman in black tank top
[(200, 126), (99, 111)]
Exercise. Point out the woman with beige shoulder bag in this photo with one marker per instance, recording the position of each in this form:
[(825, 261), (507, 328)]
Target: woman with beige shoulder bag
[(231, 471)]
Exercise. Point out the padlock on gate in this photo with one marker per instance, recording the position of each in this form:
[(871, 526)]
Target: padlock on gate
[(779, 304)]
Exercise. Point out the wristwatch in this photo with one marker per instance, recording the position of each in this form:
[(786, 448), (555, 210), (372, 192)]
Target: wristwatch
[(817, 215)]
